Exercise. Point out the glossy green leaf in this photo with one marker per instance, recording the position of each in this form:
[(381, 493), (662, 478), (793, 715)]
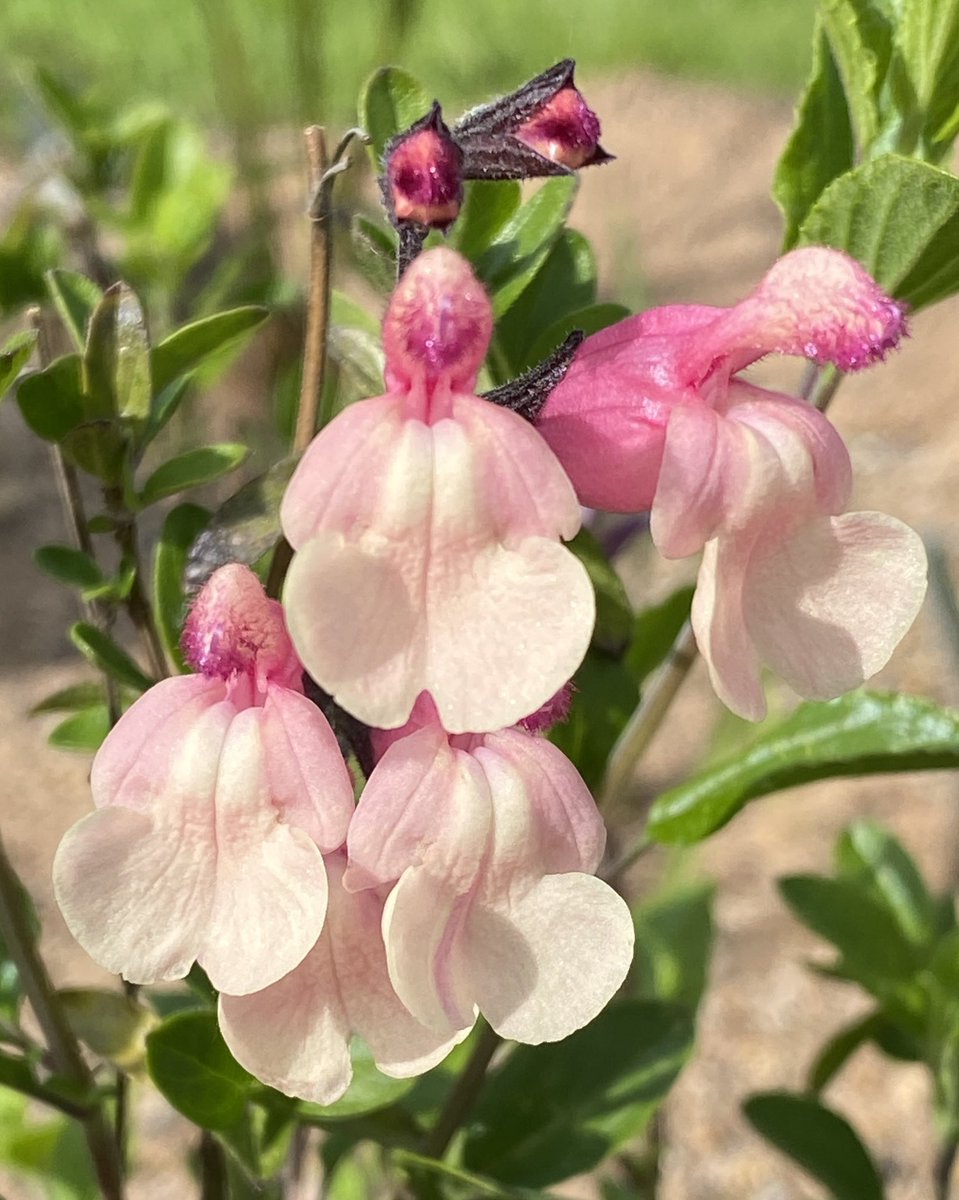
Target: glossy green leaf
[(100, 448), (487, 206), (819, 1140), (369, 1091), (51, 400), (193, 469), (100, 649), (69, 699), (674, 939), (655, 631), (523, 244), (860, 927), (900, 219), (181, 528), (873, 858), (864, 733), (556, 1110), (374, 252), (604, 696), (566, 283), (391, 100), (860, 39), (614, 613), (587, 320), (14, 356), (164, 405), (820, 148), (116, 358), (244, 527), (927, 35), (69, 565), (190, 1063), (75, 298), (187, 348), (84, 731)]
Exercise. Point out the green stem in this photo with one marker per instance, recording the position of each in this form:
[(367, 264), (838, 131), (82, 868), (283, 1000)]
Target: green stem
[(64, 1048), (459, 1103)]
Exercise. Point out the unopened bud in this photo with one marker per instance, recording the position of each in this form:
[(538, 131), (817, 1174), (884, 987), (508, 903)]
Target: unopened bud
[(543, 128), (423, 182)]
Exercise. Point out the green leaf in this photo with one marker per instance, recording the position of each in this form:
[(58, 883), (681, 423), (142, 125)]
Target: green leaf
[(100, 649), (864, 733), (614, 613), (69, 565), (181, 528), (355, 343), (84, 731), (871, 856), (655, 631), (14, 355), (840, 1048), (604, 696), (391, 100), (822, 1142), (75, 298), (587, 320), (116, 359), (556, 1110), (192, 469), (468, 1182), (565, 283), (51, 400), (927, 36), (244, 527), (369, 1091), (487, 206), (860, 39), (900, 219), (374, 251), (99, 448), (69, 699), (820, 147), (858, 925), (186, 349), (674, 939), (523, 244), (190, 1063)]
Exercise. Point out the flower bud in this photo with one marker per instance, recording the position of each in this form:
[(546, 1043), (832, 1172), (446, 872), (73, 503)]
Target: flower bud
[(543, 128), (423, 182)]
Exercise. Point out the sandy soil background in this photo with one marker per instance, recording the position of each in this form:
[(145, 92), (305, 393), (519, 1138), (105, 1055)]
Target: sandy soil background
[(687, 205)]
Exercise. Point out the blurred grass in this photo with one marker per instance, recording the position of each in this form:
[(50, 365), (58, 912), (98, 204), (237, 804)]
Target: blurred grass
[(259, 62)]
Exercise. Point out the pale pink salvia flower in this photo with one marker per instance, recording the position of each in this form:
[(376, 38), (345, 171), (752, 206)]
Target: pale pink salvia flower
[(490, 843), (652, 414), (295, 1035), (217, 795), (427, 525)]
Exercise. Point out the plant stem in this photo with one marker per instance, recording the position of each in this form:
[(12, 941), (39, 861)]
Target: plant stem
[(318, 293), (137, 605), (461, 1099), (945, 1161), (214, 1184), (64, 1048), (648, 716)]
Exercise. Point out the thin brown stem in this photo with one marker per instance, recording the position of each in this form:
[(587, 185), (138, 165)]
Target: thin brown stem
[(137, 605), (318, 292), (459, 1103), (64, 1048)]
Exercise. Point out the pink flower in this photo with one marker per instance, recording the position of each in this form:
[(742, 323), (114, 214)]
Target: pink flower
[(295, 1035), (759, 480), (216, 795), (427, 526), (491, 841)]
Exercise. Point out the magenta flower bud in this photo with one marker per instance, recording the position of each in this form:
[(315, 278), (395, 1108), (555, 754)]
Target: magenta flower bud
[(543, 128), (423, 182), (554, 712)]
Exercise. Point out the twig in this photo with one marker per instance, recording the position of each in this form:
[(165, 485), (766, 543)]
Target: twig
[(318, 294), (461, 1099), (64, 1048)]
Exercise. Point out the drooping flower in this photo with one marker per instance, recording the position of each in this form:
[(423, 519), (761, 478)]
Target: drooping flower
[(295, 1035), (427, 525), (651, 414), (490, 843), (216, 795), (422, 180)]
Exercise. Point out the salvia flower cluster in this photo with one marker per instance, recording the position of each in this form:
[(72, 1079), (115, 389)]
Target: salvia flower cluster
[(432, 597)]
